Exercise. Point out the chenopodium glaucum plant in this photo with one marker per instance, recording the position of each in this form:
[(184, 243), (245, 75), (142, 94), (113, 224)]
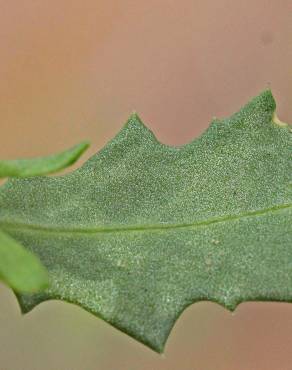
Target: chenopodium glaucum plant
[(142, 230)]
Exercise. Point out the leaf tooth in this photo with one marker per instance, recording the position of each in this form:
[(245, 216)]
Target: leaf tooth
[(135, 129), (258, 111), (135, 122), (264, 102)]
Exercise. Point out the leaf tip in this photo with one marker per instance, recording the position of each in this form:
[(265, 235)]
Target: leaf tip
[(78, 150)]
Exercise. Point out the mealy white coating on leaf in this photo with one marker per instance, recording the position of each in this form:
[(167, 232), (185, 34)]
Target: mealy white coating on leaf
[(142, 229)]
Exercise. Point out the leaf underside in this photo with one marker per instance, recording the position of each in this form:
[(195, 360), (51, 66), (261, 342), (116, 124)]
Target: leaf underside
[(142, 229)]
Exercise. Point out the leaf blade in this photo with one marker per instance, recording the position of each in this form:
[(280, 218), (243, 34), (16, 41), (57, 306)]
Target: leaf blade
[(143, 230), (43, 165), (19, 268)]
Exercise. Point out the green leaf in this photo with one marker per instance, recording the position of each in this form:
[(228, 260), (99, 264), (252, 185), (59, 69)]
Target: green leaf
[(19, 268), (41, 166), (143, 230)]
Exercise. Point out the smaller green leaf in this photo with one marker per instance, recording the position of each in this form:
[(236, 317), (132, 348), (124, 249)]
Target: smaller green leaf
[(19, 268), (43, 165)]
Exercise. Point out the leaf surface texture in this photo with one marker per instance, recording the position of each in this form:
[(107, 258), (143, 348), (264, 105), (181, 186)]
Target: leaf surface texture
[(142, 229)]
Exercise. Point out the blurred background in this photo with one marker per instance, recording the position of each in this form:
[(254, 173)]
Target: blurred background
[(74, 70)]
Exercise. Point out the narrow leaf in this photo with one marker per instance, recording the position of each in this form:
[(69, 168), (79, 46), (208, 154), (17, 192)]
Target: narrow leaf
[(142, 230), (41, 166), (19, 268)]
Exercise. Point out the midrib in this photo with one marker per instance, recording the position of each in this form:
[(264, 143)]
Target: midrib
[(128, 228)]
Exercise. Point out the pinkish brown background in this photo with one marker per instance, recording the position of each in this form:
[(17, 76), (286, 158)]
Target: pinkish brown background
[(73, 70)]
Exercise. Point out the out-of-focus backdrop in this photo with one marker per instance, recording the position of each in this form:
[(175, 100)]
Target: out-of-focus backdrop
[(73, 70)]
